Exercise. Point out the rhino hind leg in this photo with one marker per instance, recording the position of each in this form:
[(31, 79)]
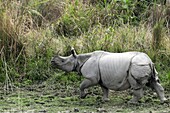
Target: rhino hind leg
[(159, 90), (105, 93), (137, 95), (138, 78), (85, 84), (137, 89)]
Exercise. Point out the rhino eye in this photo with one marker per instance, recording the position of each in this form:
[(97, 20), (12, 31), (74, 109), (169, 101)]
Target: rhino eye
[(158, 81), (62, 60)]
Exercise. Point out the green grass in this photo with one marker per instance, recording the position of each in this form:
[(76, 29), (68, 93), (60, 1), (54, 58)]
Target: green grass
[(32, 31), (55, 98)]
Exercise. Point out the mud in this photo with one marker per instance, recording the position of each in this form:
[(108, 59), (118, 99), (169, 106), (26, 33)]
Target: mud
[(64, 98)]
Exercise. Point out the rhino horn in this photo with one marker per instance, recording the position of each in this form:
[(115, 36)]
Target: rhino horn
[(73, 52)]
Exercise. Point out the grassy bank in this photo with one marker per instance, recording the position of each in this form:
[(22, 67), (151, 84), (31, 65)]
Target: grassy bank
[(32, 31)]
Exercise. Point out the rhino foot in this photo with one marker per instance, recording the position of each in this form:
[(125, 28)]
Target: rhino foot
[(164, 100), (133, 102), (105, 99), (82, 96)]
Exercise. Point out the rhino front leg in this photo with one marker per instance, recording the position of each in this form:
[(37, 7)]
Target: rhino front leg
[(159, 90), (86, 84)]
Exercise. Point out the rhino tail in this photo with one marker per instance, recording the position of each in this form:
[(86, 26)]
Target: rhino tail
[(154, 73)]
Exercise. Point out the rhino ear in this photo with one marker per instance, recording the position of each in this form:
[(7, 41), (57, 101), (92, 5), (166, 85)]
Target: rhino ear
[(57, 54), (73, 52)]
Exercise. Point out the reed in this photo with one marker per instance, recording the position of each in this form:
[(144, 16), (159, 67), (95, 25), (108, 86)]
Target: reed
[(32, 31)]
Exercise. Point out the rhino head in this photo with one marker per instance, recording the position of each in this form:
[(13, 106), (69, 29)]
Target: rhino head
[(67, 64)]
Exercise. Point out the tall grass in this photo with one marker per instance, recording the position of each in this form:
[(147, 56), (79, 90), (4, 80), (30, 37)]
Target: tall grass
[(32, 31)]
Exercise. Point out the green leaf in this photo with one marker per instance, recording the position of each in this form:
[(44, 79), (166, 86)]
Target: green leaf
[(168, 75), (125, 6)]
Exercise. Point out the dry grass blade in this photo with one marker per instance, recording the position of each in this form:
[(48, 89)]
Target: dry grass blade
[(157, 35), (8, 86)]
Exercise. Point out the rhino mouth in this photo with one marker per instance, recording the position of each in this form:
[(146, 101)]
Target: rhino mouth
[(53, 64)]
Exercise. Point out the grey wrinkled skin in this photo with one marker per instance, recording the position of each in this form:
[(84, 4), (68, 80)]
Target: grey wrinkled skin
[(114, 71)]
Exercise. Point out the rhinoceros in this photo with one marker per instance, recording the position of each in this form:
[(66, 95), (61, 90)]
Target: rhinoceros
[(114, 71)]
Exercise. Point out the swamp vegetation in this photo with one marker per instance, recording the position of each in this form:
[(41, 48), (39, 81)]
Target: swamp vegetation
[(32, 31)]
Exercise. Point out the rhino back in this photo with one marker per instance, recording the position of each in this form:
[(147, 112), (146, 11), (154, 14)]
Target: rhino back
[(141, 59), (113, 69)]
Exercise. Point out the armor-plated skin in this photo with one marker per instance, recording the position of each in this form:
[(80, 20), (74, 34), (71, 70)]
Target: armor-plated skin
[(115, 71)]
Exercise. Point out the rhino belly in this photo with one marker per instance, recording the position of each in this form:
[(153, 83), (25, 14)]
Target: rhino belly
[(113, 70)]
